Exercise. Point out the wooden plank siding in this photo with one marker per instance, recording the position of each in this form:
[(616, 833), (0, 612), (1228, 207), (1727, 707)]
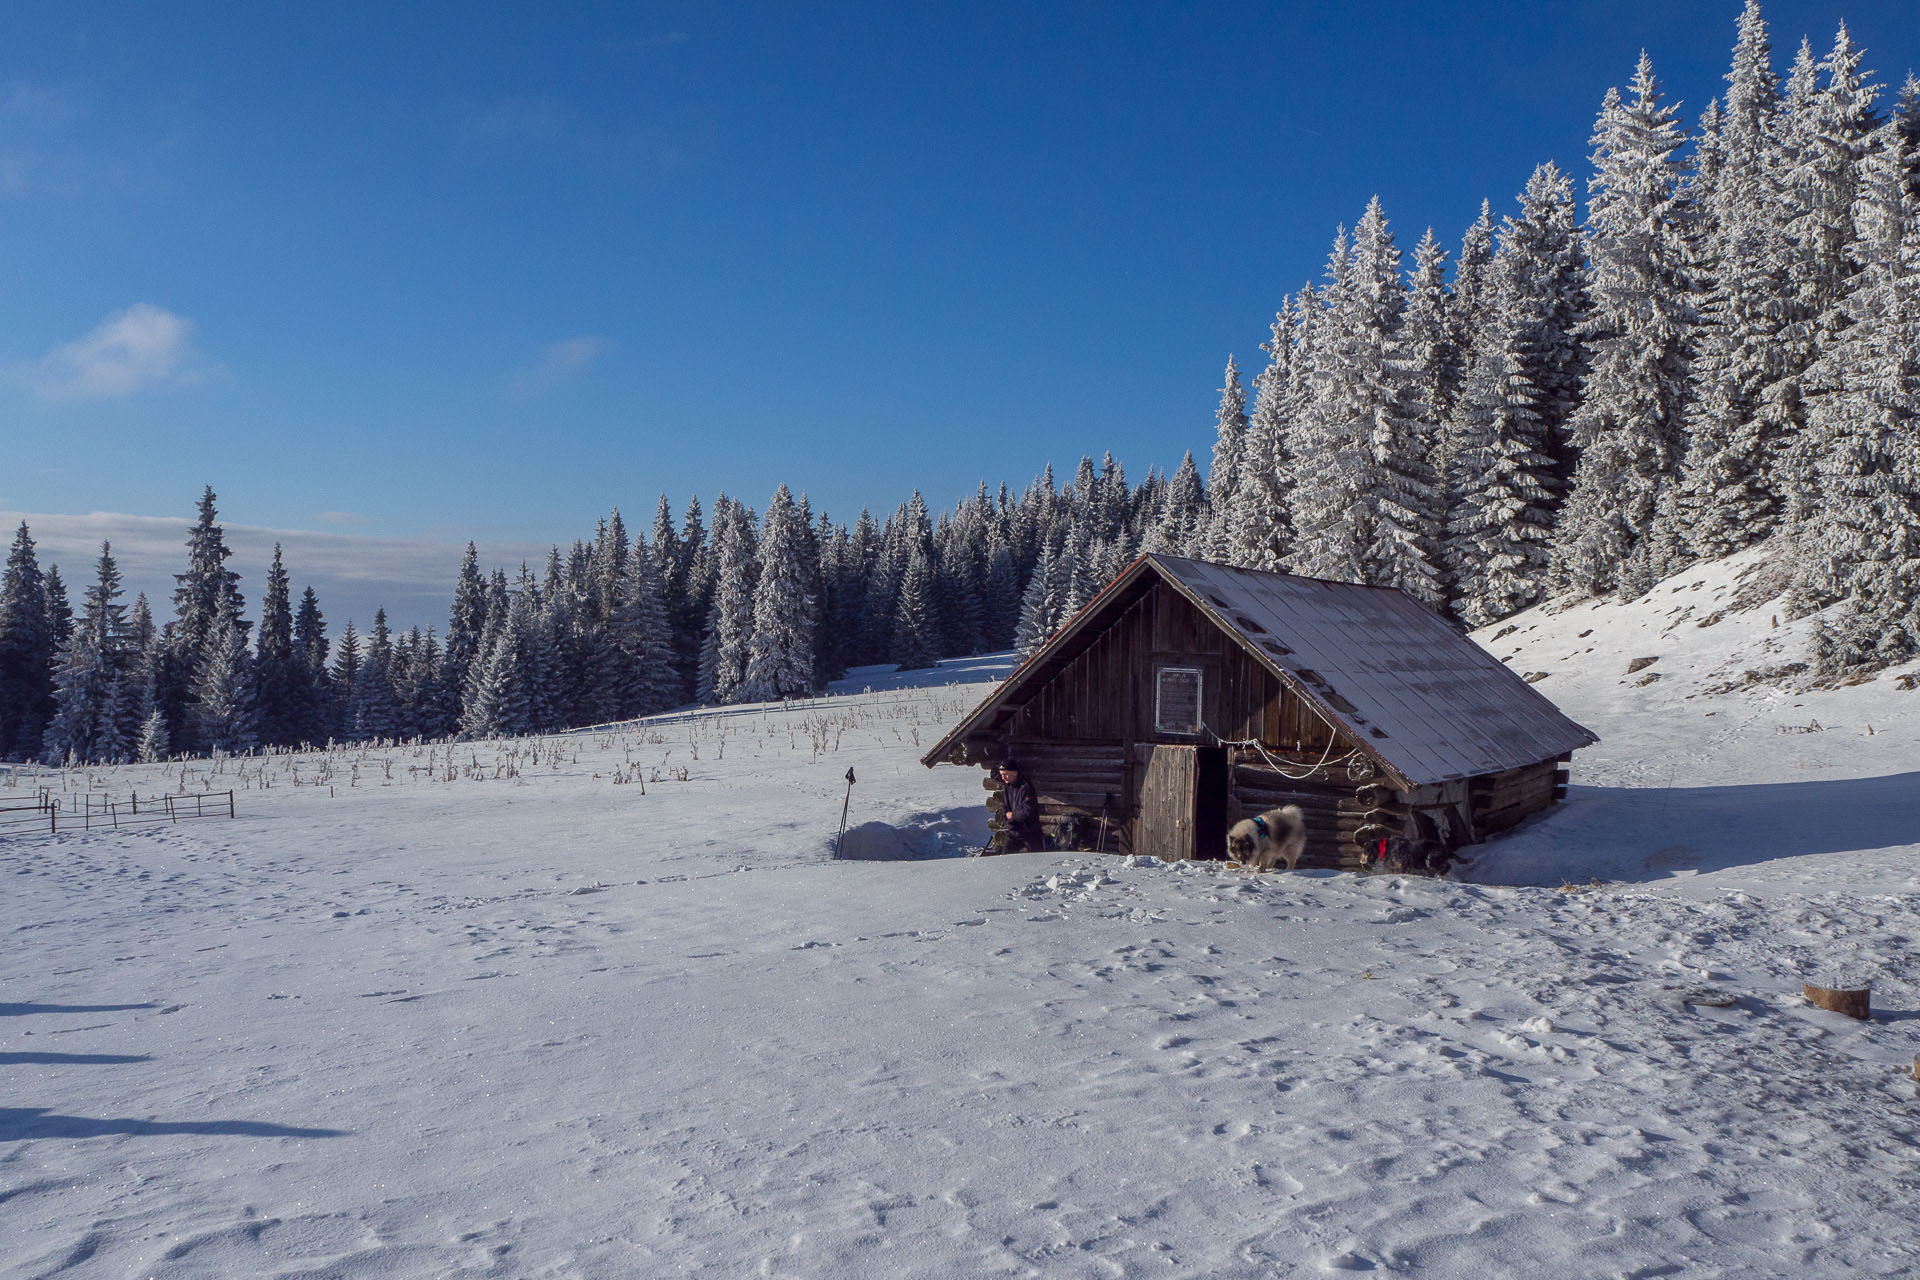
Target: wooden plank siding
[(1106, 692)]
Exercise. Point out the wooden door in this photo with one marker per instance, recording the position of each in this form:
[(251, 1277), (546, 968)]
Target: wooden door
[(1169, 783)]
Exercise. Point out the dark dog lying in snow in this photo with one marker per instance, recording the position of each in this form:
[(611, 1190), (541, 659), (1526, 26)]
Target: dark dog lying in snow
[(1278, 835)]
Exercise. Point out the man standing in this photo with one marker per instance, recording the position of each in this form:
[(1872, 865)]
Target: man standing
[(1023, 810)]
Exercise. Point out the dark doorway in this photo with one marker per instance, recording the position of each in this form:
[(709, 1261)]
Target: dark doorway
[(1210, 803)]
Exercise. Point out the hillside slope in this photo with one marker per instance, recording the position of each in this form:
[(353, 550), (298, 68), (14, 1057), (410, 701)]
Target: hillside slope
[(1716, 751)]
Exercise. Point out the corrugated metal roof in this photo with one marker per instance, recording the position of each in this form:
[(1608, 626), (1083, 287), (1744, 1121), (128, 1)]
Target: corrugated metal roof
[(1446, 707), (1425, 700)]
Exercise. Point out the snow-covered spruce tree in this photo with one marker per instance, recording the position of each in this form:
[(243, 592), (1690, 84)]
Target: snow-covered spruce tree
[(1329, 458), (915, 619), (143, 647), (857, 570), (206, 588), (1629, 429), (1729, 494), (1432, 340), (1223, 477), (92, 720), (59, 608), (154, 743), (466, 622), (224, 697), (645, 638), (542, 671), (416, 668), (1503, 490), (723, 656), (1258, 525), (370, 708), (914, 626), (780, 649), (959, 569), (1467, 311), (1043, 605), (276, 676), (1543, 286), (341, 680), (816, 536), (689, 595), (1183, 514), (1827, 130), (310, 648), (501, 702), (1003, 598), (1864, 548), (26, 652), (1076, 570), (1906, 121), (1367, 507)]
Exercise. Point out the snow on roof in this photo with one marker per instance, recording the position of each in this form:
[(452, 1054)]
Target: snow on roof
[(1426, 701)]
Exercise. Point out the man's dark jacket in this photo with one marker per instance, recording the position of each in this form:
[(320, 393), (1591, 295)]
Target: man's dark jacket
[(1023, 817)]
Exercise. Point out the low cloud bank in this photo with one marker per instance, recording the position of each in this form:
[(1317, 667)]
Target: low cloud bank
[(412, 578)]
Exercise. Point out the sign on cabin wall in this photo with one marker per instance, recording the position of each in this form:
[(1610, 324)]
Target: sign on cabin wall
[(1177, 699)]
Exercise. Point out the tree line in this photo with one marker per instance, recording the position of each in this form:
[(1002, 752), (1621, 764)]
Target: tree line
[(728, 607), (1727, 351)]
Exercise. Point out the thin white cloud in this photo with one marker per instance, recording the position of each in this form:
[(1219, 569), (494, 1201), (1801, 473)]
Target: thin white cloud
[(517, 121), (131, 350), (559, 362), (36, 153)]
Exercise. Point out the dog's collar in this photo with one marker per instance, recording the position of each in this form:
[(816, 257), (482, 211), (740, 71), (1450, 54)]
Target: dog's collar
[(1260, 824)]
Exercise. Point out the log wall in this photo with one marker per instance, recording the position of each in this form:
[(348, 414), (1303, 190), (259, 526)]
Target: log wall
[(1071, 779), (1328, 800), (1502, 800)]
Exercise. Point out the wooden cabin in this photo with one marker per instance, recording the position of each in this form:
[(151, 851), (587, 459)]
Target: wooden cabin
[(1188, 695)]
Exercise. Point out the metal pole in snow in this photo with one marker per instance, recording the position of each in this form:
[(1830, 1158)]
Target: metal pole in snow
[(844, 805)]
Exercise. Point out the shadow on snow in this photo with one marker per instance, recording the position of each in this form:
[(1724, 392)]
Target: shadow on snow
[(1652, 833), (19, 1123)]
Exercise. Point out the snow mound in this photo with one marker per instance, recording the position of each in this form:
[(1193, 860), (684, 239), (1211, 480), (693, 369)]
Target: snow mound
[(952, 834)]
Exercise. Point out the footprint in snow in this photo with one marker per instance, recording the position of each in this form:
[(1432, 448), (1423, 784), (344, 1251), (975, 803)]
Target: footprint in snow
[(1348, 1262)]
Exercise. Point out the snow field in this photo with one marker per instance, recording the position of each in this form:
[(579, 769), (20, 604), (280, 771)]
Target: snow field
[(533, 1021)]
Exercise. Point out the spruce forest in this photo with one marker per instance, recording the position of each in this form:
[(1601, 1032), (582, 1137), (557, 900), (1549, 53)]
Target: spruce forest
[(1724, 351)]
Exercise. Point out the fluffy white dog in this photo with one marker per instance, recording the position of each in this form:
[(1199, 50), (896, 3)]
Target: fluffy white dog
[(1276, 836)]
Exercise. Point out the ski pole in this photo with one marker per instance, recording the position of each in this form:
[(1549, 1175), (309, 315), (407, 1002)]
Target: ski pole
[(844, 805)]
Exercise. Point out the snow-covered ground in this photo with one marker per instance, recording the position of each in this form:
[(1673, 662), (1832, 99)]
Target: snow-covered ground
[(562, 1009)]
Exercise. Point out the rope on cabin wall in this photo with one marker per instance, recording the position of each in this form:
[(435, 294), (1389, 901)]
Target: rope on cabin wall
[(1281, 769)]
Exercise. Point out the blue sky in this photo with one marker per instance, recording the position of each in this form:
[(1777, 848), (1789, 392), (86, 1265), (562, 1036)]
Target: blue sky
[(449, 271)]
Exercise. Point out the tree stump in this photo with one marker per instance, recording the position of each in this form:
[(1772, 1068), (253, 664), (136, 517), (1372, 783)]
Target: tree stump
[(1848, 1000)]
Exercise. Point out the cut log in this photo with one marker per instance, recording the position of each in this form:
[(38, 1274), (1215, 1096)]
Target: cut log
[(1847, 1000)]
